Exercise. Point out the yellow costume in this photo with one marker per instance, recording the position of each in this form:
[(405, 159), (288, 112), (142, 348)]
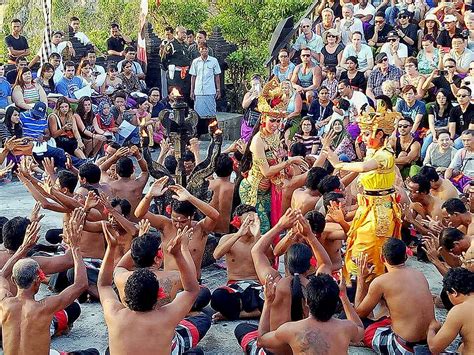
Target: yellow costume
[(378, 216)]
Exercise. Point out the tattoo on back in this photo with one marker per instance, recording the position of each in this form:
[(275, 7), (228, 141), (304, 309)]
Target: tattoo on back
[(312, 342)]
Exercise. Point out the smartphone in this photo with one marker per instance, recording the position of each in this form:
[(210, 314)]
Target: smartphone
[(443, 72)]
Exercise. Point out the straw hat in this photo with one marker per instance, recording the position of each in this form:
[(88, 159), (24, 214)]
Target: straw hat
[(430, 17), (331, 31)]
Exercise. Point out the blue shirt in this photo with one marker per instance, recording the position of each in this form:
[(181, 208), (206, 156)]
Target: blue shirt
[(32, 127), (5, 91), (205, 72), (67, 87), (407, 111)]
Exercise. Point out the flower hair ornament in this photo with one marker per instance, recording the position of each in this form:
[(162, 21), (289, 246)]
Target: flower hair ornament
[(236, 222)]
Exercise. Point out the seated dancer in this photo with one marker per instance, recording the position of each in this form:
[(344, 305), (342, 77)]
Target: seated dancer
[(454, 242), (407, 326), (183, 208), (223, 190), (330, 239), (26, 323), (126, 187), (89, 180), (459, 284), (319, 332), (440, 187), (305, 198), (155, 328), (288, 305), (147, 252), (457, 215), (242, 296)]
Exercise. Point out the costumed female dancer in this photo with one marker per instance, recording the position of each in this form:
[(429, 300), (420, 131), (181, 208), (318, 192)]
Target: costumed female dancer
[(378, 216), (263, 165)]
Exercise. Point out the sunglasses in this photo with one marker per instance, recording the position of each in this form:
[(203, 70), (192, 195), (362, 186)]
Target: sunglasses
[(449, 66), (404, 16), (306, 55), (383, 60), (331, 36), (379, 21), (283, 56), (393, 39), (403, 126), (305, 26), (274, 120), (461, 95)]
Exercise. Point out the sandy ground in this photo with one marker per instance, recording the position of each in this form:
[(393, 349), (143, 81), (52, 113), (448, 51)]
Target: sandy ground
[(90, 331)]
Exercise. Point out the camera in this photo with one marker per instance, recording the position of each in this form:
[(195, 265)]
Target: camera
[(443, 72)]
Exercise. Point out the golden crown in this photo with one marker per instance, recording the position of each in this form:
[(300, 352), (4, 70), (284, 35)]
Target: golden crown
[(270, 101), (386, 121)]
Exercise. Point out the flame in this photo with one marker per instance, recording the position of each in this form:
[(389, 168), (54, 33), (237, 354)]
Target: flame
[(218, 131), (213, 123), (175, 92)]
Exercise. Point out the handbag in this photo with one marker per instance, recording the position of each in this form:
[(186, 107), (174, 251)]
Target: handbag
[(24, 149)]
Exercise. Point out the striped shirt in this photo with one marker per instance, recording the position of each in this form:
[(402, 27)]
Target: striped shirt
[(31, 94), (33, 127)]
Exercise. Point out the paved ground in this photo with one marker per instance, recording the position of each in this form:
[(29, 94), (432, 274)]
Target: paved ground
[(90, 331)]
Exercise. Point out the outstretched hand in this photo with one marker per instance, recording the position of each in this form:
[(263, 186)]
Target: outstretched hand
[(158, 187), (180, 193), (111, 235), (174, 245), (6, 169), (289, 219), (269, 289), (31, 236), (143, 227), (35, 216), (363, 268), (335, 212), (72, 232), (92, 200)]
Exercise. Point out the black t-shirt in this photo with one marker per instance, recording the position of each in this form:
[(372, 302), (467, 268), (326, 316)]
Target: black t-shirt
[(410, 31), (462, 119), (17, 44), (442, 83), (444, 39), (382, 37), (358, 82), (11, 76), (115, 44)]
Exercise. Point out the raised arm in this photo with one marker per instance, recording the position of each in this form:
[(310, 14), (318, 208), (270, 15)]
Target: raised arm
[(72, 236), (157, 189), (440, 336), (321, 255), (212, 215), (227, 241), (366, 297), (182, 304), (351, 314)]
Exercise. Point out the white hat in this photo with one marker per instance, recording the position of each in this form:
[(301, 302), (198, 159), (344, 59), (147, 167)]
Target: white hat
[(430, 17), (450, 18)]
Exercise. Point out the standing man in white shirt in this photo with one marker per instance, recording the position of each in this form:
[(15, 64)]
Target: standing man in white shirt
[(57, 46), (205, 85)]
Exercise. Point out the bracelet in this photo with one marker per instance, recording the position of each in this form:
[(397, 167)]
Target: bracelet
[(451, 83)]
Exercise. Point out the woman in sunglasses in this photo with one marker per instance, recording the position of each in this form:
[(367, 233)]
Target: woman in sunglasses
[(263, 165)]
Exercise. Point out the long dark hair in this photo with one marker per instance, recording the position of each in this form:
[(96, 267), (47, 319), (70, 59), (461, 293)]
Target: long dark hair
[(299, 257), (86, 117), (15, 129), (313, 132), (44, 69), (448, 103)]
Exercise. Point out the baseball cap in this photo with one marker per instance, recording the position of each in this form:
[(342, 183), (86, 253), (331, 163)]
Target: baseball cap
[(58, 33), (392, 34), (450, 18), (39, 110), (404, 12), (380, 56)]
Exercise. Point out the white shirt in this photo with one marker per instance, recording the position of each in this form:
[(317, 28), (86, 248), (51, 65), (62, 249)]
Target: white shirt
[(347, 28), (402, 52), (81, 36), (357, 101), (369, 10), (99, 69), (205, 71), (363, 55)]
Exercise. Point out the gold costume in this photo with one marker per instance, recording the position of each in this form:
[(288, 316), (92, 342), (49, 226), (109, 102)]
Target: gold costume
[(378, 216)]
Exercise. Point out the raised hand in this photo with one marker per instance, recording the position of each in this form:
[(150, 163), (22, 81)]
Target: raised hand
[(244, 228), (35, 216), (47, 185), (180, 193), (288, 219), (158, 188), (407, 212), (31, 236), (48, 165), (327, 139), (143, 227), (68, 162), (431, 248), (335, 212), (363, 269), (6, 169), (122, 152), (92, 201), (174, 245), (134, 150), (111, 235), (269, 289)]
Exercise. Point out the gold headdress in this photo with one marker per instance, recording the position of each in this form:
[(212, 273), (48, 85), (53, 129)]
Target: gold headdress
[(373, 121), (270, 101)]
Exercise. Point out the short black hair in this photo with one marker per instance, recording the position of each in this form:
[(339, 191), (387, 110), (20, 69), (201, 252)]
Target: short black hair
[(316, 220), (424, 185), (460, 280), (13, 232), (298, 149), (122, 94), (144, 249), (129, 49), (241, 209), (328, 197), (54, 55), (185, 208), (74, 18), (322, 296), (115, 25), (406, 118), (69, 63), (454, 205), (171, 164), (203, 32), (189, 32), (189, 156), (141, 290), (344, 104), (429, 172), (68, 180), (394, 251), (315, 175), (329, 183), (169, 29), (125, 206), (449, 236), (124, 167), (154, 88), (90, 172), (224, 165)]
